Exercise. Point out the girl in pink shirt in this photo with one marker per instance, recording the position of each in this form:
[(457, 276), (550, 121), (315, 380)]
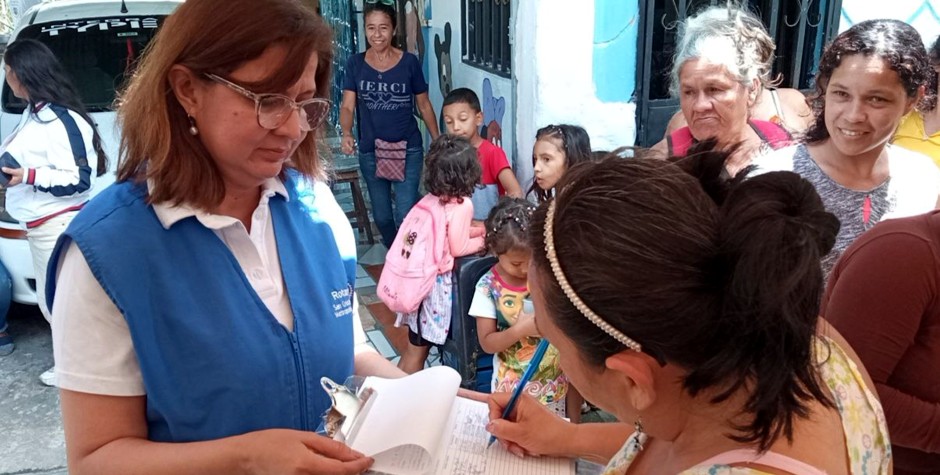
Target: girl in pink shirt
[(452, 173)]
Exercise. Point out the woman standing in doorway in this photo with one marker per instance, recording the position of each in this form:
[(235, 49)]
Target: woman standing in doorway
[(383, 85)]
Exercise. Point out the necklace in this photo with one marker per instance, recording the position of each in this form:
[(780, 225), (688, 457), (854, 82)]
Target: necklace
[(380, 59)]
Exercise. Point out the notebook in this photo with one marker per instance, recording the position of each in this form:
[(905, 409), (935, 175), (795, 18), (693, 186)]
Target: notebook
[(417, 425)]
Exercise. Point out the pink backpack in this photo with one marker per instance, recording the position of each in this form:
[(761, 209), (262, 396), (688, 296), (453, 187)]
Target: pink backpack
[(416, 257)]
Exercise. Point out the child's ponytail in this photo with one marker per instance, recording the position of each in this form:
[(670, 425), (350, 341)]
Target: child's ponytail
[(507, 224)]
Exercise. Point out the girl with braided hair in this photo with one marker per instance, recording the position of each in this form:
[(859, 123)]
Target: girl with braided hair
[(504, 326)]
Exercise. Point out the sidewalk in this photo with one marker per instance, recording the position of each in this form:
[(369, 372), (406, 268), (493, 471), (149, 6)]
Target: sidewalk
[(32, 440)]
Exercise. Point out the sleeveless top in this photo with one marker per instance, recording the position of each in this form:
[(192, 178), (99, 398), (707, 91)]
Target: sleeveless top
[(774, 135), (863, 421)]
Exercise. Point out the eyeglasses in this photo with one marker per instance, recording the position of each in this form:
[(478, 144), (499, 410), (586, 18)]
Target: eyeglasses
[(384, 2), (273, 110)]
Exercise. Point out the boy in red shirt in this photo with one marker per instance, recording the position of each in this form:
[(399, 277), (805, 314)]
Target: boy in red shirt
[(463, 117)]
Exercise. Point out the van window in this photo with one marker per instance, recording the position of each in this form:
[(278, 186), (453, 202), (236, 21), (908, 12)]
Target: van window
[(99, 53)]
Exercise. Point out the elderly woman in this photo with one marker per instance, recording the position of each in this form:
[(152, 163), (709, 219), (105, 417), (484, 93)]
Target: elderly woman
[(869, 77), (383, 85), (703, 334), (200, 299), (783, 106), (717, 73)]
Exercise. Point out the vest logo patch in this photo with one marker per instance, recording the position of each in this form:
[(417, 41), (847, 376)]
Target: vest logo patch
[(342, 301)]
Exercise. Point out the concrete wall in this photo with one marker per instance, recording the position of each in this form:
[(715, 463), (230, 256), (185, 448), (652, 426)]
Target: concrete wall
[(575, 63)]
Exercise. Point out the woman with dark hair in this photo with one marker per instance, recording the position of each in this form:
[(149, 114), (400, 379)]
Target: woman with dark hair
[(200, 299), (920, 129), (884, 297), (557, 148), (382, 86), (869, 78), (50, 161), (695, 321)]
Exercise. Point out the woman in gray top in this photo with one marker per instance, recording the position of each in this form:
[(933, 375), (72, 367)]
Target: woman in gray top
[(869, 78)]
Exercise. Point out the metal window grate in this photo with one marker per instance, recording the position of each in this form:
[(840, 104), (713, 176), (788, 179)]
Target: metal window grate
[(485, 41)]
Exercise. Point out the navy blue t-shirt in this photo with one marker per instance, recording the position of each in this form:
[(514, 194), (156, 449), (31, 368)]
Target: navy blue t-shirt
[(385, 100)]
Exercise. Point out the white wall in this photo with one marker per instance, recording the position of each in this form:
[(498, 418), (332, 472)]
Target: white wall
[(553, 75), (552, 61), (921, 14)]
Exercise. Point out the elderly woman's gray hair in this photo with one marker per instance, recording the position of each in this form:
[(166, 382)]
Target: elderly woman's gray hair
[(727, 36)]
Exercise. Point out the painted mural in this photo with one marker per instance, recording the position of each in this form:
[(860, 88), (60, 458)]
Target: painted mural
[(445, 69), (493, 110)]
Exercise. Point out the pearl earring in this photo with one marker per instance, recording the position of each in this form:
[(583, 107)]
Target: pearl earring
[(639, 436), (192, 126)]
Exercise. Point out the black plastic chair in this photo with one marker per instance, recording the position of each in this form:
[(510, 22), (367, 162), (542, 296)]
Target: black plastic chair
[(462, 349)]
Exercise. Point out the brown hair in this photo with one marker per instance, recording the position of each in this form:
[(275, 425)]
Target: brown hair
[(453, 169), (895, 42), (212, 36), (724, 285)]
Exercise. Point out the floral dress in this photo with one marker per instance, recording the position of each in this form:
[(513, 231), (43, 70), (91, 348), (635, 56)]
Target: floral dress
[(866, 432), (494, 298)]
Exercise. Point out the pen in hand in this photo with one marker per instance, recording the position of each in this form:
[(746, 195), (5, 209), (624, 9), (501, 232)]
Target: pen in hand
[(526, 376)]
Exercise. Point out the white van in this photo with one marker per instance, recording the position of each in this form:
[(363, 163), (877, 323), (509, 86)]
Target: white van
[(98, 42)]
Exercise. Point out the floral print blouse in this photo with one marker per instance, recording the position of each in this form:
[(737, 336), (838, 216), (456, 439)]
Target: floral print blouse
[(866, 432)]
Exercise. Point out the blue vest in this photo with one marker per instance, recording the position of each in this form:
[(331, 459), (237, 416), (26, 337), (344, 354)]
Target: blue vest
[(214, 360)]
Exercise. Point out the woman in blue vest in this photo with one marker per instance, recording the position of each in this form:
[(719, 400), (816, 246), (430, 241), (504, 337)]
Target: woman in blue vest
[(200, 299), (383, 85)]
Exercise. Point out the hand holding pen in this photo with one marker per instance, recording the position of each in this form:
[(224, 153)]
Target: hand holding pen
[(520, 387), (531, 429)]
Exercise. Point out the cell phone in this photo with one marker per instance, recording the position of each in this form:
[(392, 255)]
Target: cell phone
[(7, 160)]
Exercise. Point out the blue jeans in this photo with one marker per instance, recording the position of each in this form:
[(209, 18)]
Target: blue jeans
[(381, 192)]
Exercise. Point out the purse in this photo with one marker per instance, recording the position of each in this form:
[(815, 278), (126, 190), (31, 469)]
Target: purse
[(390, 159)]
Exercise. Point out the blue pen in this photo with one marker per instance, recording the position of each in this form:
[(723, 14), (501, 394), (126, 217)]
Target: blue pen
[(526, 376)]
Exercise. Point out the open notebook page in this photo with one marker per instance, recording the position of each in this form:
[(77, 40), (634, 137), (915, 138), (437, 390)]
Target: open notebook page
[(464, 451), (403, 421)]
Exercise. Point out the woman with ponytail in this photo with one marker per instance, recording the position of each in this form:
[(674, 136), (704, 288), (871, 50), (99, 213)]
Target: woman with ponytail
[(702, 336)]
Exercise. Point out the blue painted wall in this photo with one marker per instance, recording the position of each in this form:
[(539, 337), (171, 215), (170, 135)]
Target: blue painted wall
[(616, 29)]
